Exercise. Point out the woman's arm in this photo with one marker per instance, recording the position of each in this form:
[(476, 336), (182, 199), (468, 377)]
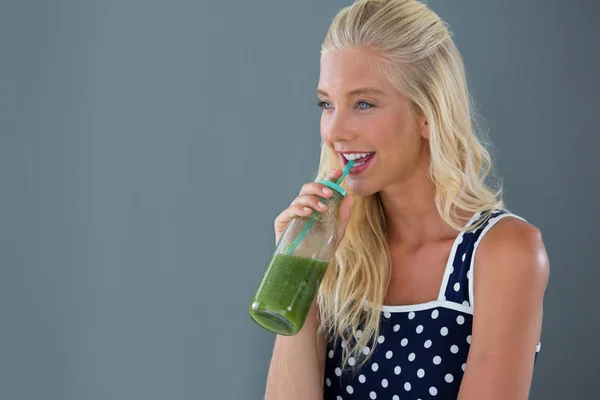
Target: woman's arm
[(510, 277), (297, 366)]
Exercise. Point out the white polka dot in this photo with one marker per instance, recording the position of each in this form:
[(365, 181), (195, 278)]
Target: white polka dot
[(358, 334), (435, 314), (444, 331), (380, 339), (454, 349), (366, 350), (433, 391), (397, 370), (396, 328), (328, 382), (362, 378), (411, 357), (411, 315), (460, 239), (338, 371), (449, 378), (375, 367), (466, 303), (404, 342), (343, 344), (373, 395), (387, 314), (349, 389), (407, 386), (389, 354), (420, 329), (395, 397), (470, 274), (330, 353), (464, 366), (339, 398), (384, 383), (451, 269), (421, 373), (456, 287), (464, 256), (460, 320), (469, 339), (351, 361), (437, 360), (428, 344)]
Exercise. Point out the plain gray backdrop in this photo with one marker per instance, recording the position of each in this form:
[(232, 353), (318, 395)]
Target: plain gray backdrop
[(146, 147)]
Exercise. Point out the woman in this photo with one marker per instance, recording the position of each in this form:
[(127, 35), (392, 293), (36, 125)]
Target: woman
[(436, 290)]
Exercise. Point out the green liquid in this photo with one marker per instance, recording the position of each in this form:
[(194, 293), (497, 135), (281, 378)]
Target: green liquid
[(286, 293)]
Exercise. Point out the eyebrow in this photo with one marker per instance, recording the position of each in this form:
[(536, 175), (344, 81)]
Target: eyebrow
[(356, 92)]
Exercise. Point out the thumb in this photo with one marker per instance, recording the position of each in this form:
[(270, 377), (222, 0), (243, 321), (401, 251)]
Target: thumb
[(344, 216)]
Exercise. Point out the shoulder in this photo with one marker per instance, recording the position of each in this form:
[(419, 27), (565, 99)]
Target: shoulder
[(516, 244), (510, 275), (512, 254)]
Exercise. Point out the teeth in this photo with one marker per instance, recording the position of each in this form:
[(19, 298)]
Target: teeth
[(355, 156)]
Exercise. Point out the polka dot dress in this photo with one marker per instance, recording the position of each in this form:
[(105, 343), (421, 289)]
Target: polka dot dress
[(422, 349)]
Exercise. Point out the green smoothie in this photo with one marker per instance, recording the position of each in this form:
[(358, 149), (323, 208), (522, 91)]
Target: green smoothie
[(286, 293)]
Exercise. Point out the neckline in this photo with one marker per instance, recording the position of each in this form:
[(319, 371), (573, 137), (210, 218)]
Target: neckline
[(441, 298)]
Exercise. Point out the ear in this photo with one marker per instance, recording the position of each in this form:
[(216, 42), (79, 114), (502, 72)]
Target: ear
[(424, 128)]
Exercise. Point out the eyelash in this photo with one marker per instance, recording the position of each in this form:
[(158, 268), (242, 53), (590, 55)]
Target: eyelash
[(321, 104)]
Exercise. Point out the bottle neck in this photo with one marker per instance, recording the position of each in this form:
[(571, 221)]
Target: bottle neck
[(328, 218)]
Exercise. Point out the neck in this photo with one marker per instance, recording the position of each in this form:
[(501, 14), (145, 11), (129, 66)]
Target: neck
[(410, 212)]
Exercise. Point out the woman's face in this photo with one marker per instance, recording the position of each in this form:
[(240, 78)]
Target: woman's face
[(366, 119)]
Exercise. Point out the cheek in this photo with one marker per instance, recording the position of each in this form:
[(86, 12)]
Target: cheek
[(384, 134), (397, 144)]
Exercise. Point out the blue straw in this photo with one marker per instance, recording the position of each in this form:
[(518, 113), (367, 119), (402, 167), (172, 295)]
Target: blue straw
[(347, 169)]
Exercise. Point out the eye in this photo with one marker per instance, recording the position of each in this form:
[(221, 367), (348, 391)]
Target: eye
[(367, 105), (323, 104), (362, 105)]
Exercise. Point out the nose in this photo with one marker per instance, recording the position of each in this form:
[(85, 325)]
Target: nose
[(336, 128)]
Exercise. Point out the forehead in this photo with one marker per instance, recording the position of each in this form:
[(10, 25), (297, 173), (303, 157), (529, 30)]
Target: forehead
[(349, 69)]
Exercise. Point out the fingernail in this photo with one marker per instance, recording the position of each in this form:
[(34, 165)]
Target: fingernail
[(327, 191), (321, 205), (306, 209)]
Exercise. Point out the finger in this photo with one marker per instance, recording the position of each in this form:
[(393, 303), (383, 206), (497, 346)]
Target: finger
[(334, 174), (318, 189), (315, 189), (289, 213), (344, 216), (313, 202)]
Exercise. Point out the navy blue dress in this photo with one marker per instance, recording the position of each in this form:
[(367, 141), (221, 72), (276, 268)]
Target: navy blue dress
[(422, 349)]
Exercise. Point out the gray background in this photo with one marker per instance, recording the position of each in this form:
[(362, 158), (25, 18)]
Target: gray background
[(146, 146)]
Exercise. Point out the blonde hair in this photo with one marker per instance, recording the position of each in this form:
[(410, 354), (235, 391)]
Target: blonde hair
[(415, 51)]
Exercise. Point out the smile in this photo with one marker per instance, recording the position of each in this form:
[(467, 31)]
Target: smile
[(361, 160)]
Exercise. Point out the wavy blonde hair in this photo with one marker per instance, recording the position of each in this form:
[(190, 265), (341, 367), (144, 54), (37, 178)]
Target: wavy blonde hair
[(415, 51)]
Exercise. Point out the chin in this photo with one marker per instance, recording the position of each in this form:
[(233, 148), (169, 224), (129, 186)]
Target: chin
[(362, 189)]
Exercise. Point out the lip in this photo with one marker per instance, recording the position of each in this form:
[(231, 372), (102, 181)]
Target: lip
[(356, 170)]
